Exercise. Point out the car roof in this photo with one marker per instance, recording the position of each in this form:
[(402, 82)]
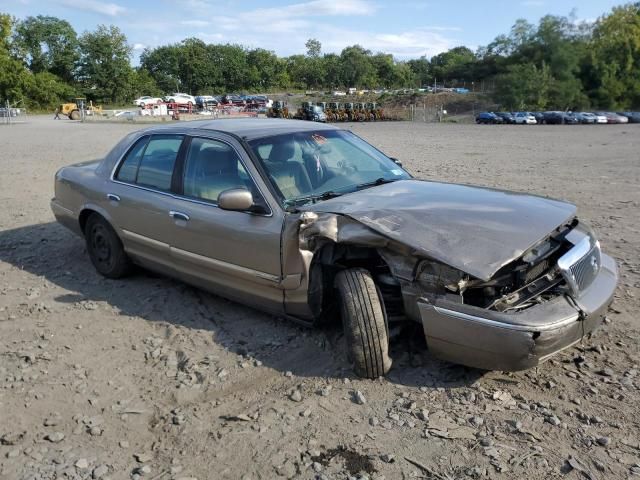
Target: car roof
[(247, 128)]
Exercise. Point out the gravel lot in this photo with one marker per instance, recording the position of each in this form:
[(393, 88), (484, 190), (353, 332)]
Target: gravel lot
[(151, 377)]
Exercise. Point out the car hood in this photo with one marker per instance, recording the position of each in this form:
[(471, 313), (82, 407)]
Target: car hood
[(476, 230)]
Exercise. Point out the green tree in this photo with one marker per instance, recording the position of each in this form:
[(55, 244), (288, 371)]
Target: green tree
[(263, 69), (142, 83), (314, 48), (453, 65), (421, 68), (49, 45), (357, 70), (105, 71), (314, 74), (615, 56), (163, 64), (524, 87)]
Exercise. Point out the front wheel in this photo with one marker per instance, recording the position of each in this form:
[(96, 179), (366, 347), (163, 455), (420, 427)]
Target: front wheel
[(364, 323), (105, 248)]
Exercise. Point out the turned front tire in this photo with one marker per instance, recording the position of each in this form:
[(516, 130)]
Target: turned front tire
[(364, 322), (105, 248)]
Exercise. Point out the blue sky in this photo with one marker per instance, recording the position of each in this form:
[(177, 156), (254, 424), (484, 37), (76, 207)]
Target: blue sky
[(405, 28)]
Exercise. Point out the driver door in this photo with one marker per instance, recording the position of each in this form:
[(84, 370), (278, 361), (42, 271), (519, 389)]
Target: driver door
[(235, 253)]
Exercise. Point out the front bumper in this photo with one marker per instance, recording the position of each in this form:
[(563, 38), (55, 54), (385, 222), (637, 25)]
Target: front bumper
[(516, 341)]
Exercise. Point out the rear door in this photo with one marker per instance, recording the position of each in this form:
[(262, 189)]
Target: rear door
[(234, 253), (140, 197)]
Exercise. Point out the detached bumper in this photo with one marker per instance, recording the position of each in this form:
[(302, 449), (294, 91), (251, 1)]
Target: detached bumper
[(516, 341)]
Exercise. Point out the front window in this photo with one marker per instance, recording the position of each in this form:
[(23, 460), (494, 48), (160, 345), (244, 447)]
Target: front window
[(307, 166), (212, 167)]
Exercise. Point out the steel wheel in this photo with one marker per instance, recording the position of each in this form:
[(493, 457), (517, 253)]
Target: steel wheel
[(105, 248)]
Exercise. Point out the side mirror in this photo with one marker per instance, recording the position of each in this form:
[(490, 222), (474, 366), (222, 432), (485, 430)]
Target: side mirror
[(396, 161), (236, 199)]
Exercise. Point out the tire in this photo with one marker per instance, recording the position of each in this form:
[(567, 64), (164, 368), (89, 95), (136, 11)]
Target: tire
[(74, 115), (364, 323), (105, 248)]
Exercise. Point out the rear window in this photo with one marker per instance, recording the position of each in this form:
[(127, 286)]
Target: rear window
[(129, 167), (151, 161)]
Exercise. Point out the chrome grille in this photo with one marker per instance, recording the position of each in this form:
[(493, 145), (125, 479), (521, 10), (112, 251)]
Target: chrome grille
[(581, 264), (586, 269)]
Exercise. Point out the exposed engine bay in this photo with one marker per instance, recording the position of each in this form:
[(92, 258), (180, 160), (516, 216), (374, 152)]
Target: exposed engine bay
[(532, 279)]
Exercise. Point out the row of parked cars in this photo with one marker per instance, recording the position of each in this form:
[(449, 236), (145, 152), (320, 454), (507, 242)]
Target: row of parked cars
[(556, 118), (206, 101)]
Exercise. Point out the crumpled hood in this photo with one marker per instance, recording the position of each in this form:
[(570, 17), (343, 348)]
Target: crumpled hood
[(474, 229)]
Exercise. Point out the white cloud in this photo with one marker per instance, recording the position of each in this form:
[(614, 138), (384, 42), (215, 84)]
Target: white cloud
[(195, 23), (291, 17), (285, 30), (94, 6), (139, 46), (409, 44)]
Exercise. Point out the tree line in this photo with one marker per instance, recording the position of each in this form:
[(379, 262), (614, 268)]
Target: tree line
[(558, 63)]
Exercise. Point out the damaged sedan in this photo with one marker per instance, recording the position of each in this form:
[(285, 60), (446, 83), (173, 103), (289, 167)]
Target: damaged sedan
[(313, 223)]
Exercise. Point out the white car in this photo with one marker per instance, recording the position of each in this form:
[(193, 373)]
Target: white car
[(181, 99), (525, 118), (601, 118), (146, 100)]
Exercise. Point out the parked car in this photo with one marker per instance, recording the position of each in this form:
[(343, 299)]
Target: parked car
[(587, 117), (539, 116), (613, 118), (309, 221), (146, 100), (488, 117), (553, 118), (506, 117), (525, 118), (601, 118), (206, 101), (570, 118), (181, 99), (233, 99), (632, 117)]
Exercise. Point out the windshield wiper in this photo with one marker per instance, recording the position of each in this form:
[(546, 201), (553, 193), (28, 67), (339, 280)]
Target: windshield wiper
[(312, 198), (375, 183)]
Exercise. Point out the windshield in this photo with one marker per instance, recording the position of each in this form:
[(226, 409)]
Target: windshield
[(314, 165)]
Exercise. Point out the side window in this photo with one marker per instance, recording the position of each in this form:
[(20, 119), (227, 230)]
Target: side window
[(129, 168), (212, 167), (156, 164)]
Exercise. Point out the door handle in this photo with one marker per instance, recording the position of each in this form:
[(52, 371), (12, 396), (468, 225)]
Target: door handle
[(113, 197), (179, 215)]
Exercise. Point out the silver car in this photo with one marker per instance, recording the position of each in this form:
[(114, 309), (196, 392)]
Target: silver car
[(309, 221)]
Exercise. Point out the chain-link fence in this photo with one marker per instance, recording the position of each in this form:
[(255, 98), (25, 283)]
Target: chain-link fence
[(12, 113)]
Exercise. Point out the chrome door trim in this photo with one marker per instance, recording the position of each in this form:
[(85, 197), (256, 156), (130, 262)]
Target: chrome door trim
[(509, 326), (149, 242), (183, 197), (225, 267)]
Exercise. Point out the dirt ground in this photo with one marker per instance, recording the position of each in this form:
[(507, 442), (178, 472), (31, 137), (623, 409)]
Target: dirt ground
[(150, 378)]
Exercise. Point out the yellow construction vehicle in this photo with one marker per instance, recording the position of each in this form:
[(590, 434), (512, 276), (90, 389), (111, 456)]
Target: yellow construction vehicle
[(74, 110)]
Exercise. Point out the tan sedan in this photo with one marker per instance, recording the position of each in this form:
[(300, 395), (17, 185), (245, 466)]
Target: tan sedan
[(311, 222)]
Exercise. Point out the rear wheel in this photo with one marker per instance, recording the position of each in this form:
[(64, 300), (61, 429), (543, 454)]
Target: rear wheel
[(105, 248), (75, 115), (364, 323)]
